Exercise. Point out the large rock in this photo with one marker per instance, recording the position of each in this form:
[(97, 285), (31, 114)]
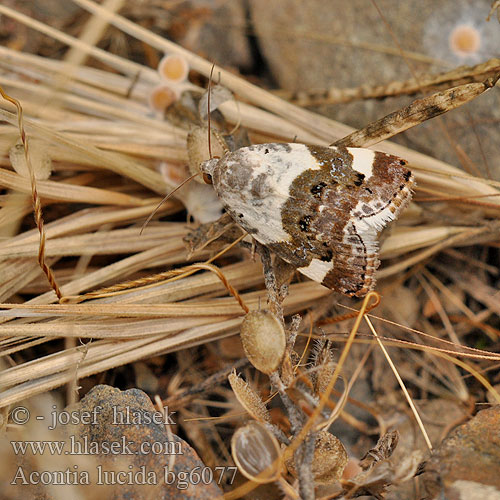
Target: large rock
[(317, 44)]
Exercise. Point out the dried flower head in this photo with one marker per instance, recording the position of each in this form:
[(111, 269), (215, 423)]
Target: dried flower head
[(461, 34), (173, 70), (161, 98)]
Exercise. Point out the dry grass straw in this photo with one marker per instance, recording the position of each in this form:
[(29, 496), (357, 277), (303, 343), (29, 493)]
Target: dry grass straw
[(105, 144), (424, 83)]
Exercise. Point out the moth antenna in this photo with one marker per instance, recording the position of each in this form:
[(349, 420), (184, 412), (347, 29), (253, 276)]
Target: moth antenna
[(221, 141), (208, 111), (185, 181), (238, 123)]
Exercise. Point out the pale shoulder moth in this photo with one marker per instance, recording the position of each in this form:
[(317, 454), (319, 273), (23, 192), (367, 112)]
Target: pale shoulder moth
[(318, 208)]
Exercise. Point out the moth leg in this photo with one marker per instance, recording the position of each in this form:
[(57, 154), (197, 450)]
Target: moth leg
[(271, 283), (284, 274), (224, 229)]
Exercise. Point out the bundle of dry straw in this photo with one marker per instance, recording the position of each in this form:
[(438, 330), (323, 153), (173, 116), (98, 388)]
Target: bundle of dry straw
[(94, 147)]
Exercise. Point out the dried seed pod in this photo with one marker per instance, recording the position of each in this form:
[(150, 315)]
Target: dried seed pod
[(248, 398), (263, 339), (329, 461), (256, 452)]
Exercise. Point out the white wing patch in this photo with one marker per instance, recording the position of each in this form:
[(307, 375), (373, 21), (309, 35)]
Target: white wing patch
[(362, 161), (317, 269), (282, 167)]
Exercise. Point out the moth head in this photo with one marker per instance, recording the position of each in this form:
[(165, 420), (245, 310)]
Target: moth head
[(207, 169)]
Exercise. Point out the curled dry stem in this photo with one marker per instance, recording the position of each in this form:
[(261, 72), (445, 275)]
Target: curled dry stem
[(35, 198)]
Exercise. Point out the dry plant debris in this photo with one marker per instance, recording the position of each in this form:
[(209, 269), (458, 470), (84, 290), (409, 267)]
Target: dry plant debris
[(96, 143)]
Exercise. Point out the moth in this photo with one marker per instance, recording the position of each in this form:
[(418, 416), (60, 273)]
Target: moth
[(318, 208)]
